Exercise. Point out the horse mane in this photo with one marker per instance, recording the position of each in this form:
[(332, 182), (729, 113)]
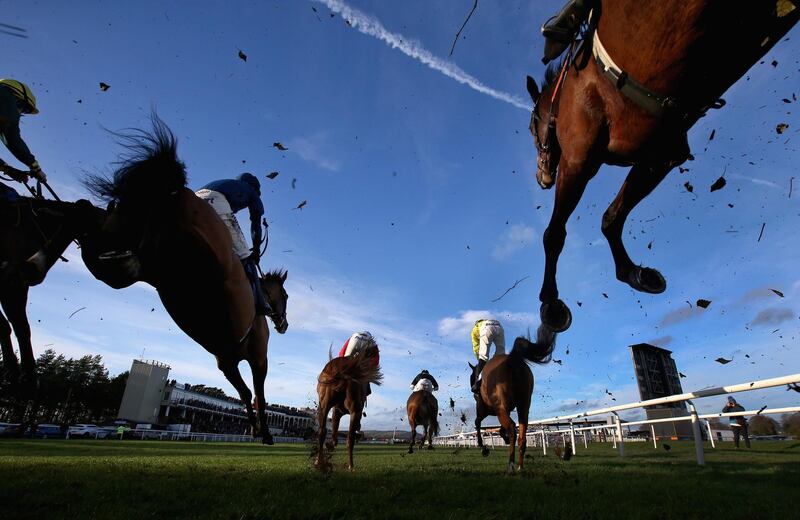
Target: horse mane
[(149, 166), (552, 71), (275, 274)]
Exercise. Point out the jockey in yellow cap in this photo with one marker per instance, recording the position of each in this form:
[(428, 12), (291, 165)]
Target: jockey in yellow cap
[(16, 99)]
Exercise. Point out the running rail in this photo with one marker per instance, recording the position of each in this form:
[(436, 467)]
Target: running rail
[(615, 428)]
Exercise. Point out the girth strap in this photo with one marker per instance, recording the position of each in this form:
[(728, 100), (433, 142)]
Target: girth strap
[(655, 104)]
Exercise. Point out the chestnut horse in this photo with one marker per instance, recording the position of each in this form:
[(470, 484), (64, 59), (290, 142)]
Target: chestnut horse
[(423, 409), (644, 74), (341, 388), (508, 385), (157, 231), (27, 226)]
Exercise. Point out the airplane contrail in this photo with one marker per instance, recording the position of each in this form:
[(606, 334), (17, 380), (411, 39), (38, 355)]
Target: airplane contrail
[(371, 26)]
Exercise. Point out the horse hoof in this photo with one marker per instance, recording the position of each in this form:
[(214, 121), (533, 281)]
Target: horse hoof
[(556, 315), (511, 468), (267, 439), (647, 280), (430, 447), (410, 450), (485, 451)]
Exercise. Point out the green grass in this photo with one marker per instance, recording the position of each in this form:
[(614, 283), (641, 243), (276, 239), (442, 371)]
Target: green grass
[(153, 479)]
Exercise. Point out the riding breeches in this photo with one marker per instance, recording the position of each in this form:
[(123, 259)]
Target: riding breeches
[(223, 208), (423, 384), (491, 332)]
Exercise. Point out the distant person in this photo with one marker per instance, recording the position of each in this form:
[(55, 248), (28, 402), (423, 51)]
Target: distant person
[(359, 343), (16, 100), (424, 381), (738, 424), (227, 197), (484, 334)]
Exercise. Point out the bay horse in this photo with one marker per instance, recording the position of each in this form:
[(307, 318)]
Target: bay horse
[(643, 75), (341, 387), (508, 385), (158, 232), (27, 227), (423, 409)]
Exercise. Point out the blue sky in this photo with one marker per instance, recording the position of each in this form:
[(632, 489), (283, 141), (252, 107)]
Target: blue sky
[(418, 170)]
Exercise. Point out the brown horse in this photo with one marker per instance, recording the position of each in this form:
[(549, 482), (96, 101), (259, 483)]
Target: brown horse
[(646, 72), (157, 231), (423, 409), (341, 387), (508, 384), (26, 227)]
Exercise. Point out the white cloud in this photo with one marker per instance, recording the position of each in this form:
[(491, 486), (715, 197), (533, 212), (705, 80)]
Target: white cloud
[(460, 326), (371, 26), (311, 148), (512, 240)]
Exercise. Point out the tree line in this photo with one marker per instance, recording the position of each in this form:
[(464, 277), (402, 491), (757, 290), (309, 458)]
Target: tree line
[(70, 391)]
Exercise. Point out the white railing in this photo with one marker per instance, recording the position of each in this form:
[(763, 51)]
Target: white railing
[(170, 435), (541, 430)]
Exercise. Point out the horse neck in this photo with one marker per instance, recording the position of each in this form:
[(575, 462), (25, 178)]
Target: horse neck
[(53, 225), (691, 49)]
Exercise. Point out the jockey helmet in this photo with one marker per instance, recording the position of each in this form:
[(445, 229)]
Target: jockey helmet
[(23, 93), (252, 180)]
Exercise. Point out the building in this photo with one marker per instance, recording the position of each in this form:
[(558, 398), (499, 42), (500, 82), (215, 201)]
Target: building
[(144, 391), (658, 376), (151, 398)]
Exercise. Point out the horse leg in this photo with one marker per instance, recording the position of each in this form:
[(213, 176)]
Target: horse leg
[(429, 429), (322, 417), (231, 371), (335, 420), (14, 300), (570, 184), (641, 181), (413, 426), (511, 429), (259, 370), (355, 426), (424, 435), (523, 440), (480, 415)]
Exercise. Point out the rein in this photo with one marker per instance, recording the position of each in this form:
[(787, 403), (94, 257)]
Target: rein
[(544, 145)]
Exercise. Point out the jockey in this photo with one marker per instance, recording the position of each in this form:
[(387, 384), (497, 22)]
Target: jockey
[(359, 343), (16, 99), (424, 381), (228, 196), (484, 333)]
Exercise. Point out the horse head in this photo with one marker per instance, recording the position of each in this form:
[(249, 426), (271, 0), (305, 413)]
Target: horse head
[(272, 285), (543, 130)]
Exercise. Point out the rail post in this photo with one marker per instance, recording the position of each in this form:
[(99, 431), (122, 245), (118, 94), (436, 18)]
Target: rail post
[(544, 443), (698, 436), (572, 437), (619, 433), (710, 433), (653, 433)]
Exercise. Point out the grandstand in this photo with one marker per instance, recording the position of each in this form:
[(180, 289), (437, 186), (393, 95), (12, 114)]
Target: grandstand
[(150, 398)]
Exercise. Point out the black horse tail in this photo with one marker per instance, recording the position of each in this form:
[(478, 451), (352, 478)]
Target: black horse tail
[(435, 426), (540, 351)]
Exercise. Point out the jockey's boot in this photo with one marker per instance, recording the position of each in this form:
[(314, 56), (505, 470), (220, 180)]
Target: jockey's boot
[(476, 372), (262, 307), (560, 30)]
